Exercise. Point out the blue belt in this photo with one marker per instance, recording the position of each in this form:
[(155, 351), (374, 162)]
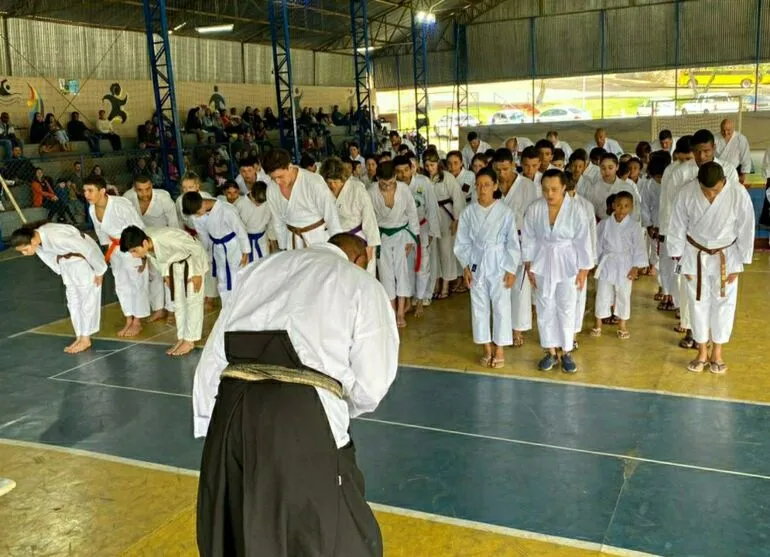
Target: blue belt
[(254, 241), (222, 242)]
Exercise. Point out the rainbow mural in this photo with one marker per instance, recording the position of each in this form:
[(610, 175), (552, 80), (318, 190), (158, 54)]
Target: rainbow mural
[(34, 103)]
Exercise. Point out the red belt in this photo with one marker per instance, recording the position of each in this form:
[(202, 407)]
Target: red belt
[(115, 243), (191, 231)]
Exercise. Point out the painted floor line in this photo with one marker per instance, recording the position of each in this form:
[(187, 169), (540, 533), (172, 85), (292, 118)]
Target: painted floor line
[(124, 387), (472, 525), (570, 383), (568, 449)]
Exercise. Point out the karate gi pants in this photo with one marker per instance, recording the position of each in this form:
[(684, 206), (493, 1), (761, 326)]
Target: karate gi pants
[(608, 294), (521, 302), (131, 286), (445, 255), (393, 265), (423, 285), (668, 277), (490, 299), (684, 304), (273, 481), (712, 313), (160, 297), (556, 314), (580, 308), (210, 289), (189, 307), (84, 298)]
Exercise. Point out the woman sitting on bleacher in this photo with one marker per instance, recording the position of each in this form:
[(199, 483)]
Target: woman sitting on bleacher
[(56, 139)]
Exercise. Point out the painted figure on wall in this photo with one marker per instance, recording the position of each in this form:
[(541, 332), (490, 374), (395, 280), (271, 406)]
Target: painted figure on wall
[(117, 99), (217, 100), (34, 103), (7, 96)]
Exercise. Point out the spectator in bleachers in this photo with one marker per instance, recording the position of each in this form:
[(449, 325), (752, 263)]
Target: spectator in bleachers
[(78, 131), (338, 118), (194, 123), (260, 133), (256, 118), (43, 195), (156, 176), (37, 129), (106, 131), (271, 122), (147, 136), (18, 168), (56, 138), (139, 168), (247, 115), (323, 118), (8, 137)]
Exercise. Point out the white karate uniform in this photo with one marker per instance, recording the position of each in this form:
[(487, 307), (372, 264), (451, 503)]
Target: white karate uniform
[(736, 151), (210, 289), (467, 181), (582, 294), (78, 260), (339, 321), (356, 214), (521, 144), (650, 192), (620, 247), (394, 150), (174, 248), (131, 278), (598, 191), (396, 273), (468, 152), (630, 187), (262, 176), (310, 202), (222, 234), (556, 255), (656, 146), (256, 220), (564, 146), (522, 193), (430, 227), (161, 212), (451, 200), (726, 223), (488, 243), (610, 145)]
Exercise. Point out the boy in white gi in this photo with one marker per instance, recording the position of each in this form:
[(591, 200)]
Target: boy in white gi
[(487, 246), (711, 234), (222, 233), (399, 234), (557, 257), (255, 215), (79, 261), (181, 261), (621, 251)]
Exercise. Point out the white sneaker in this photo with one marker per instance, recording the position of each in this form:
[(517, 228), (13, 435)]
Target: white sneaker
[(6, 486)]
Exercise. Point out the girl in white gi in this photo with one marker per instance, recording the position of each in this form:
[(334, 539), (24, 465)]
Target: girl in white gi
[(79, 261), (555, 248), (222, 233), (451, 202), (354, 206), (110, 215), (255, 215), (657, 165), (621, 251), (712, 235), (399, 232), (182, 262), (487, 246), (464, 177)]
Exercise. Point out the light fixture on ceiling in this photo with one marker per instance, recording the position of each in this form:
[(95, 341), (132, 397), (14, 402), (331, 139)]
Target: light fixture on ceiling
[(427, 18), (211, 29), (179, 27)]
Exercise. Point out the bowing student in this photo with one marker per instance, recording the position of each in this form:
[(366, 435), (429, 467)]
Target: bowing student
[(255, 216), (557, 257), (80, 263), (488, 249)]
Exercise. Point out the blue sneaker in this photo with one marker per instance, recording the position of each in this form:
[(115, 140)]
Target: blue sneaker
[(568, 365), (547, 363)]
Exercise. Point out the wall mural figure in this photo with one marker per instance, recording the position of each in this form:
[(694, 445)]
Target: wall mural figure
[(34, 103), (117, 100), (217, 100), (7, 96)]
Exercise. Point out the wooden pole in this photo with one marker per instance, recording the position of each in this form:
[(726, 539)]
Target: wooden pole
[(7, 191)]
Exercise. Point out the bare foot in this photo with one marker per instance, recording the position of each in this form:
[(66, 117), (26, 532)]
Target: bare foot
[(400, 322), (81, 346), (122, 332), (134, 329), (69, 348), (418, 311), (157, 316), (171, 319), (185, 347), (173, 349)]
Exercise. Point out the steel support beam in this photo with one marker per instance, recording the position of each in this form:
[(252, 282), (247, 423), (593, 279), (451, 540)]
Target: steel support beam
[(363, 70), (421, 105), (461, 70), (284, 85), (156, 25)]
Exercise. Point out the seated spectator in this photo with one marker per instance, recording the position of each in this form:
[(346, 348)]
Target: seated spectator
[(106, 131), (260, 133), (338, 119), (43, 195), (156, 176), (194, 123), (56, 139), (147, 136), (8, 137), (78, 131), (37, 129), (271, 122)]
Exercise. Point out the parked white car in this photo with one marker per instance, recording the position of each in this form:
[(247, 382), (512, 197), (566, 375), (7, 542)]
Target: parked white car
[(711, 102), (449, 126), (661, 107), (562, 114), (508, 116)]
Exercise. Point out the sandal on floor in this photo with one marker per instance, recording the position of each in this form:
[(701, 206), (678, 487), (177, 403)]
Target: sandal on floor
[(687, 342), (696, 366), (679, 329), (440, 296), (518, 341), (497, 364), (666, 306), (460, 290), (486, 361), (575, 346), (596, 332), (658, 297), (624, 335), (718, 367)]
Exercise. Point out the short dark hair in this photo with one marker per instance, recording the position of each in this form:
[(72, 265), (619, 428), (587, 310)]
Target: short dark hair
[(472, 136), (503, 155), (659, 160), (276, 159), (684, 145), (354, 144), (98, 181), (597, 153), (610, 202), (642, 148), (401, 160), (555, 173), (248, 161), (333, 169), (544, 144), (579, 155), (456, 154), (558, 155), (306, 161), (386, 171), (609, 157), (259, 191), (710, 174), (665, 134), (142, 178), (530, 153), (191, 203), (230, 184), (623, 194), (702, 137), (486, 171), (132, 237), (623, 168)]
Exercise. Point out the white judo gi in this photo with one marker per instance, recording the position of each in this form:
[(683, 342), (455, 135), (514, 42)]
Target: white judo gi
[(256, 220), (131, 275), (467, 181), (399, 226), (582, 294), (430, 227), (488, 243), (556, 255), (161, 212), (598, 191), (222, 233), (308, 217), (210, 289), (451, 202), (356, 215), (619, 247), (726, 229), (522, 193), (736, 151), (179, 256), (468, 152), (649, 189), (78, 260)]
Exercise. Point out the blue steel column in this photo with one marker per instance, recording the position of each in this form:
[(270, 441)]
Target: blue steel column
[(156, 25), (363, 68), (284, 86), (420, 58), (461, 69)]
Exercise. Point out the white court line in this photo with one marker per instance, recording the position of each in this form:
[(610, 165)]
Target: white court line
[(124, 387), (568, 449), (565, 383), (472, 525)]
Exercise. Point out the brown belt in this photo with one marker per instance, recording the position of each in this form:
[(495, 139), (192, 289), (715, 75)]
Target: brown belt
[(185, 275), (69, 256), (299, 231), (722, 266)]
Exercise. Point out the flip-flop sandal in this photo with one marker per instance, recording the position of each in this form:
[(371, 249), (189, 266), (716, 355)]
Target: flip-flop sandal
[(518, 341), (697, 366), (666, 306), (624, 335), (658, 297), (486, 361), (596, 332), (679, 329), (718, 367), (441, 296), (460, 290), (575, 346), (687, 343), (497, 364)]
